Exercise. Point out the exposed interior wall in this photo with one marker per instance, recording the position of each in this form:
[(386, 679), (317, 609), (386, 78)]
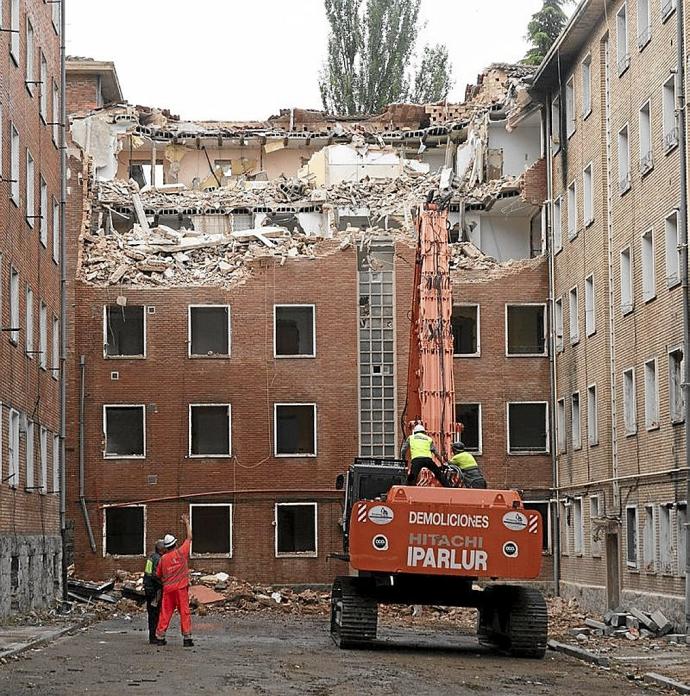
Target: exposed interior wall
[(503, 237), (520, 147)]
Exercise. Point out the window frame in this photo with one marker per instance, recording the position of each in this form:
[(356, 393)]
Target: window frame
[(557, 217), (561, 430), (275, 430), (648, 265), (574, 335), (649, 565), (576, 444), (632, 564), (105, 432), (56, 231), (655, 424), (592, 415), (627, 285), (558, 324), (644, 34), (646, 159), (622, 57), (30, 190), (570, 116), (624, 181), (15, 165), (14, 305), (105, 335), (296, 554), (215, 356), (547, 445), (544, 328), (313, 330), (578, 527), (590, 314), (15, 42), (673, 280), (632, 430), (596, 547), (585, 177), (670, 136), (480, 450), (231, 507), (478, 352), (586, 85), (189, 434), (573, 213), (105, 532), (13, 448), (676, 418)]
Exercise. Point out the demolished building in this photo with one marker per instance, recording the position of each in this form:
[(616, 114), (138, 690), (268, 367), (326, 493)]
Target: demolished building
[(241, 299)]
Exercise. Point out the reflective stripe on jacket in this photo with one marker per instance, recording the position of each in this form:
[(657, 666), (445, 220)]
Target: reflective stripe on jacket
[(464, 460), (420, 445)]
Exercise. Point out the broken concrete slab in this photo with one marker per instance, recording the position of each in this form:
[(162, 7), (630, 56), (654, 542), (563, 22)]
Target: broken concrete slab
[(666, 682), (644, 620), (200, 594), (579, 653), (663, 624)]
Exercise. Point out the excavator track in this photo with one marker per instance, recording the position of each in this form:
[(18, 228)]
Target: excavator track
[(354, 615), (513, 619)]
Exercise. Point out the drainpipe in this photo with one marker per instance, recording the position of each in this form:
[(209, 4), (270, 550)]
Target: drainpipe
[(556, 536), (82, 498), (62, 141), (683, 244)]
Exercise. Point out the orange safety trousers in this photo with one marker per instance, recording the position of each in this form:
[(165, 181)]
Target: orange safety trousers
[(175, 599)]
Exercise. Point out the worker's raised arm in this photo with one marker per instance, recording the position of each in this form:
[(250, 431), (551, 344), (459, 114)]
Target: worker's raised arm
[(188, 526)]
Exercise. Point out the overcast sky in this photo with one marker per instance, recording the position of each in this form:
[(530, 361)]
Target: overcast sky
[(246, 59)]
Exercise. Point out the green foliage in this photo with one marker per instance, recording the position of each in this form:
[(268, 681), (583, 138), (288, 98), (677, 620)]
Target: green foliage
[(370, 49), (543, 30)]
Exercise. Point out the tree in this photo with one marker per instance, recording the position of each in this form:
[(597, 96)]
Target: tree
[(370, 49), (543, 30), (432, 80)]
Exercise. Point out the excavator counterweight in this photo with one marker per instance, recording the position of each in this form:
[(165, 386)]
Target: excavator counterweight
[(427, 544)]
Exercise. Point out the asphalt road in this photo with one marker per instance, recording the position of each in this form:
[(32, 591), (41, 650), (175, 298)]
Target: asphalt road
[(287, 655)]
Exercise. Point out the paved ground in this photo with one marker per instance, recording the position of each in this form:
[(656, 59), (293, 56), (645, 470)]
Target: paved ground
[(286, 655)]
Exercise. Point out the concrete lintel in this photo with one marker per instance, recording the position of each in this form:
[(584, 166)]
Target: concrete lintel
[(579, 653)]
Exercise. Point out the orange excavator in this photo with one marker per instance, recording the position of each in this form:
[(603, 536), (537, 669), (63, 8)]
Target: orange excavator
[(427, 544)]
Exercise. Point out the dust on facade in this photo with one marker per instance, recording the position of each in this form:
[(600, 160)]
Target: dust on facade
[(237, 304)]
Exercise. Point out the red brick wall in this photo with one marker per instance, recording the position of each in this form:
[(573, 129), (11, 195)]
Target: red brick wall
[(23, 385), (251, 381), (82, 92)]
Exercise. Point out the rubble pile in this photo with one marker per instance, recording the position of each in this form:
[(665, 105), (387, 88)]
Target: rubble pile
[(633, 625)]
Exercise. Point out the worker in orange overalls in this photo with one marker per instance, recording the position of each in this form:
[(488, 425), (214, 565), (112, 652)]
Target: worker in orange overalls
[(173, 572)]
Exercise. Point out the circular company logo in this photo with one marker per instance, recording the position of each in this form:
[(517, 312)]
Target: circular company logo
[(510, 549), (515, 521), (380, 542), (381, 514)]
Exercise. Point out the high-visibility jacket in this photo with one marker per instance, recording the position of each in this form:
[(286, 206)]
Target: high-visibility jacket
[(151, 580), (173, 569), (464, 460), (420, 445)]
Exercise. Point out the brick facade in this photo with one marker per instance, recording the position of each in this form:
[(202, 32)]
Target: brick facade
[(30, 550)]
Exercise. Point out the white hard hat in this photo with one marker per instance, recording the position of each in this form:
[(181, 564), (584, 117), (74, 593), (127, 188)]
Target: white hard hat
[(169, 541), (419, 428)]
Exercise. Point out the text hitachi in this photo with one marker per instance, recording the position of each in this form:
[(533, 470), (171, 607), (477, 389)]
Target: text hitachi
[(453, 559)]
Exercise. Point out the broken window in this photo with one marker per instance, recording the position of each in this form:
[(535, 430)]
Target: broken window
[(651, 395), (595, 512), (294, 331), (209, 430), (209, 331), (629, 405), (579, 526), (124, 331), (470, 415), (665, 539), (543, 509), (526, 330), (124, 531), (212, 529), (296, 529), (631, 536), (124, 431), (465, 326), (649, 540), (295, 430), (675, 369), (527, 428)]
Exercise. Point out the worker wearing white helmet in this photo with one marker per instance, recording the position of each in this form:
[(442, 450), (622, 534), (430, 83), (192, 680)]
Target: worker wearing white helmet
[(422, 449)]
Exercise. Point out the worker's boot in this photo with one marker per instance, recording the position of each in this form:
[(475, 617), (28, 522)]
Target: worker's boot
[(187, 642), (159, 641)]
